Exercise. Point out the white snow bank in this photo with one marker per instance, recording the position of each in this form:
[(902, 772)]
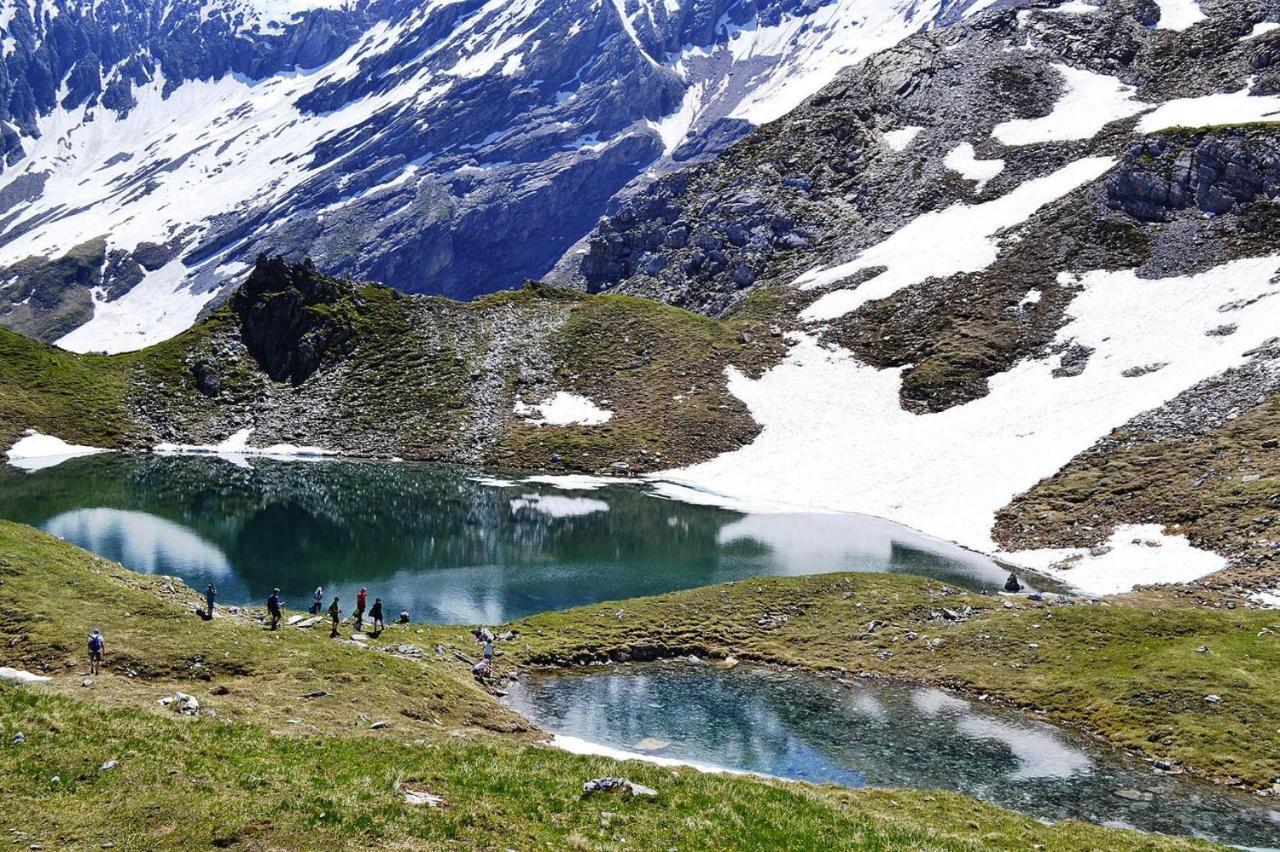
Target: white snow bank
[(493, 481), (958, 239), (159, 307), (575, 745), (573, 481), (238, 445), (7, 673), (558, 506), (1090, 102), (1229, 108), (836, 437), (35, 451), (1267, 600), (899, 139), (1179, 14), (1136, 554), (564, 409), (961, 159), (1262, 29)]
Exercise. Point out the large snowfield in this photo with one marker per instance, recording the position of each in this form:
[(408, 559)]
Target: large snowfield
[(836, 438)]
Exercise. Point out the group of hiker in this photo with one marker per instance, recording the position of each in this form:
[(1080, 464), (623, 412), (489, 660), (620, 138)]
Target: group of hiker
[(317, 604)]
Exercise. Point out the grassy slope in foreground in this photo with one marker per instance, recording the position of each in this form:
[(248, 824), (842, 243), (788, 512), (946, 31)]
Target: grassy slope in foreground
[(247, 778), (1128, 669)]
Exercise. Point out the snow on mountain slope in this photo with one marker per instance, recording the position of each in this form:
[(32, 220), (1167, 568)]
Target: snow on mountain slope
[(451, 146), (1027, 267)]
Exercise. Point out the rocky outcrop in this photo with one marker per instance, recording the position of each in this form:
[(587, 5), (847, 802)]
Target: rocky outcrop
[(1214, 172), (290, 320)]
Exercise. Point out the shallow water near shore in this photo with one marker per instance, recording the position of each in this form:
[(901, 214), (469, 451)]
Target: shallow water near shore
[(448, 545), (868, 733)]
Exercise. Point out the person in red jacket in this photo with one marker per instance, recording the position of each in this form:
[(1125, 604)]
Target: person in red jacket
[(361, 599)]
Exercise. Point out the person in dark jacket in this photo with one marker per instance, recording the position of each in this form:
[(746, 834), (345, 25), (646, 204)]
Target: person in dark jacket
[(209, 595), (335, 615), (1012, 584), (375, 615), (273, 607)]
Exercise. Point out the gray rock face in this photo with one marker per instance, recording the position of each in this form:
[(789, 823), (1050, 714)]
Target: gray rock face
[(1215, 172)]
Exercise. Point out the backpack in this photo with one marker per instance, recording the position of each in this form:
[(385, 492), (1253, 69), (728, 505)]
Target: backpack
[(95, 643)]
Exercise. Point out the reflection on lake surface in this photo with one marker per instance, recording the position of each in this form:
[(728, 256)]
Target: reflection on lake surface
[(865, 733), (442, 543)]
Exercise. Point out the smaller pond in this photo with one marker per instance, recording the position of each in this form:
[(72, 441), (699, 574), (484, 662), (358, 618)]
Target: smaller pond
[(867, 733)]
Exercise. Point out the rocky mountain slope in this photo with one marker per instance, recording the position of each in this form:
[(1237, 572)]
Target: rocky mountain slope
[(152, 150), (1010, 237), (537, 378)]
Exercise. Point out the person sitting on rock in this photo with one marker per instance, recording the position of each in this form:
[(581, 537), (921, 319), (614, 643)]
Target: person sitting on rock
[(1012, 584), (404, 616), (375, 615), (335, 615), (97, 645), (273, 607)]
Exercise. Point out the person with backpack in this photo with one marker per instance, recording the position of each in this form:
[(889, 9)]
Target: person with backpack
[(1012, 584), (361, 599), (335, 615), (317, 601), (209, 595), (375, 615), (273, 607), (97, 645)]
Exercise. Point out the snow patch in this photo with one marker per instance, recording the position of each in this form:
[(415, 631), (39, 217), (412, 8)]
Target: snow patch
[(35, 451), (1178, 15), (572, 481), (1226, 108), (960, 238), (1262, 29), (961, 159), (899, 139), (564, 409), (21, 676), (159, 307), (575, 745), (1136, 554), (1091, 102), (238, 445)]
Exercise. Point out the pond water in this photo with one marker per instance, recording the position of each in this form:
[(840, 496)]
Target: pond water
[(866, 733), (445, 544)]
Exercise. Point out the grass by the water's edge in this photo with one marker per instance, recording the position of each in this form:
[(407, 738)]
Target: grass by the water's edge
[(312, 744), (1189, 684)]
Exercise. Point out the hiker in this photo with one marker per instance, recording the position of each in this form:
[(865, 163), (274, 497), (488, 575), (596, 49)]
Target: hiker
[(335, 615), (488, 649), (209, 594), (404, 616), (317, 601), (361, 599), (481, 669), (273, 607), (375, 615), (96, 646), (1012, 584)]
